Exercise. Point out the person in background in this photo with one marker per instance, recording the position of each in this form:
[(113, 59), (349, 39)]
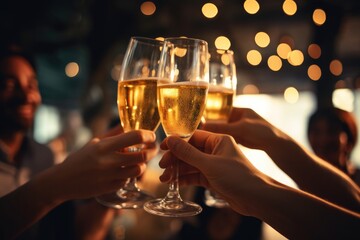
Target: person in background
[(26, 202), (333, 134), (99, 167), (215, 161)]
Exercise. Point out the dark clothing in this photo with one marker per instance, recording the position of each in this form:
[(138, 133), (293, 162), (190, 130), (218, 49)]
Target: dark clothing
[(34, 158)]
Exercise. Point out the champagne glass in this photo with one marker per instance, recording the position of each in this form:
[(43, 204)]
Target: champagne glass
[(222, 89), (181, 101), (137, 106)]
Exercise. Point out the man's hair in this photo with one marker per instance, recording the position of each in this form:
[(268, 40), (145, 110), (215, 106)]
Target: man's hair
[(336, 116)]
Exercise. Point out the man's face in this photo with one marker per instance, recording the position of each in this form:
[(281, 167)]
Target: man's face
[(19, 93)]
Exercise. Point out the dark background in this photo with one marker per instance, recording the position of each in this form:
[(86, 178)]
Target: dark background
[(94, 33)]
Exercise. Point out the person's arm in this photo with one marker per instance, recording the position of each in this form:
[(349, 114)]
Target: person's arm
[(97, 168), (214, 161), (311, 173)]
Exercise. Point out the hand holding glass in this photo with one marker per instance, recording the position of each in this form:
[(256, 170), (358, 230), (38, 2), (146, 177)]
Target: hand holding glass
[(137, 107), (181, 101), (222, 88)]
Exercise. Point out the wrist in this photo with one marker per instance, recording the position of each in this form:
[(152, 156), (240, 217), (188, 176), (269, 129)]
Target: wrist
[(44, 185)]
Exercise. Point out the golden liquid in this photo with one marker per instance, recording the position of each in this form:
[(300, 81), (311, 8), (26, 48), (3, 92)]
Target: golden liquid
[(137, 104), (218, 104), (181, 106)]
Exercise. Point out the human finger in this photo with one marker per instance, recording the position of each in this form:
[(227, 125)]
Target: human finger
[(126, 140)]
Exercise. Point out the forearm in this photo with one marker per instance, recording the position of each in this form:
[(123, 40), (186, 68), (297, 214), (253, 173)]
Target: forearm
[(313, 174), (299, 215), (26, 205)]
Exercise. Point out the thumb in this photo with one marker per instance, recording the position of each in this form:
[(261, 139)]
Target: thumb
[(186, 152)]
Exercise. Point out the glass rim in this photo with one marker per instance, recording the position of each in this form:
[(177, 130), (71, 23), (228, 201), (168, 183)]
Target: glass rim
[(172, 39), (226, 51), (147, 40)]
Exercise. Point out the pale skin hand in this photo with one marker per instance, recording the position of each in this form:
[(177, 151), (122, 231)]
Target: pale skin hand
[(99, 167), (311, 173), (214, 161)]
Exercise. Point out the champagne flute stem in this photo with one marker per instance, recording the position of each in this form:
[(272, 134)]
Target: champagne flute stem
[(131, 185), (173, 194)]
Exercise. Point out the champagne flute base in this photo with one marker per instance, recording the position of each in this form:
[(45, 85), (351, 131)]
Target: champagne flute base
[(162, 208), (124, 199)]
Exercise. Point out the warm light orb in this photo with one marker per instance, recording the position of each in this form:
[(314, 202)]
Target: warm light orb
[(222, 42), (314, 72), (289, 7), (314, 51), (209, 10), (274, 62), (291, 95), (251, 6), (72, 69), (147, 8), (336, 67), (262, 39), (250, 89), (283, 50), (344, 98), (319, 17), (254, 57), (296, 58)]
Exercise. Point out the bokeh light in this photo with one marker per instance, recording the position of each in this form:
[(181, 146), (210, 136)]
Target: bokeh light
[(336, 67), (250, 89), (251, 6), (222, 42), (314, 72), (314, 51), (296, 58), (209, 10), (291, 95), (254, 57), (147, 8), (319, 17), (262, 39), (274, 62), (72, 69), (283, 50), (289, 7)]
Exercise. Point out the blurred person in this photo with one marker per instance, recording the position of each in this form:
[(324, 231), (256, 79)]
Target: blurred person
[(216, 162), (22, 158), (333, 134), (98, 168)]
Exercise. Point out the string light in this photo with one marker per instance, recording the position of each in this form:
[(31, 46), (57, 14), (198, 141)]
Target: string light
[(291, 95), (209, 10), (314, 51), (289, 7), (336, 67), (319, 17), (222, 42), (72, 69), (314, 72), (254, 57), (283, 50), (251, 6), (274, 63), (148, 8), (262, 39)]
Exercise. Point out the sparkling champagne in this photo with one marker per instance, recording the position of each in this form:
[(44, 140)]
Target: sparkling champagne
[(181, 106), (218, 104), (137, 104)]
